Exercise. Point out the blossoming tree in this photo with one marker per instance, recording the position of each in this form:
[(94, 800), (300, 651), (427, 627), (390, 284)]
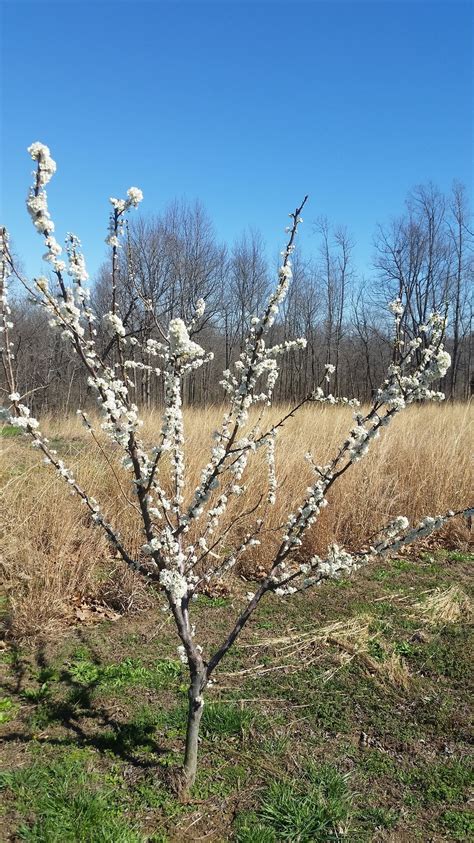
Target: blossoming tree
[(169, 559)]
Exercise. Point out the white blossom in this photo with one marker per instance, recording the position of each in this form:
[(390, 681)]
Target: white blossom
[(135, 196), (396, 307), (113, 324), (180, 344), (175, 584)]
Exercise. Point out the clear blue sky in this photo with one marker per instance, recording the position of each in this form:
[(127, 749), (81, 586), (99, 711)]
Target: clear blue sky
[(246, 105)]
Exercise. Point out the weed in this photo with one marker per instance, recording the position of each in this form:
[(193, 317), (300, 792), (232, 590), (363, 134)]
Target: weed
[(312, 810), (65, 803), (404, 648), (130, 672), (8, 709), (460, 824), (443, 782), (226, 719)]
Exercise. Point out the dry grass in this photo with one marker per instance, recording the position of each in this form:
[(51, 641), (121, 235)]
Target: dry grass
[(444, 606), (52, 557), (341, 642)]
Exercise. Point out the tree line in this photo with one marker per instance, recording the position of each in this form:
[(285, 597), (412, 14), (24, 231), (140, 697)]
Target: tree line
[(170, 261)]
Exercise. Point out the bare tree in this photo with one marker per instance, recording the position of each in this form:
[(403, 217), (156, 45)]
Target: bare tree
[(336, 274), (462, 243)]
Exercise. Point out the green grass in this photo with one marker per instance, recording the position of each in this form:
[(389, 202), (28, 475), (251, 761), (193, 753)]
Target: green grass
[(443, 782), (65, 801), (459, 824), (97, 721), (312, 809), (8, 430), (8, 709), (226, 719), (448, 655), (128, 673)]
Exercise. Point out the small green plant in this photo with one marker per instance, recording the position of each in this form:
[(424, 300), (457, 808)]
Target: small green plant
[(404, 648), (65, 802), (8, 709), (37, 695), (226, 719), (460, 824), (316, 809), (129, 672)]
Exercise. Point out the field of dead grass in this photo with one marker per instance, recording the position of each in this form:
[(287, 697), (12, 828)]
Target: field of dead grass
[(53, 560)]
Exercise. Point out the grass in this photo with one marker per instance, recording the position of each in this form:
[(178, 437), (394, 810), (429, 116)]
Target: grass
[(128, 673), (342, 714), (316, 809), (8, 430), (54, 560), (66, 801), (305, 735)]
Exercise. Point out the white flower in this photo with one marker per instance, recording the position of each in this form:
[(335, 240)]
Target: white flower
[(180, 344), (42, 283), (442, 362), (396, 307), (113, 324), (174, 583), (200, 308), (135, 196)]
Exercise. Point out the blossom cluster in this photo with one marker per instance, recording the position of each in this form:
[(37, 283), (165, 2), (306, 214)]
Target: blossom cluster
[(119, 209), (339, 562), (181, 346)]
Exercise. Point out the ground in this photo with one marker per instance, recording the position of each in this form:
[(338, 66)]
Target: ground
[(342, 714)]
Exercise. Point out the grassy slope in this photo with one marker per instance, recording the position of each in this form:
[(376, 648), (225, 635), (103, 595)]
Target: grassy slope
[(360, 734)]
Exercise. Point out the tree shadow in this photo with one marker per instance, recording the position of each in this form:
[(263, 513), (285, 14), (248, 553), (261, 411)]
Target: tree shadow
[(132, 740)]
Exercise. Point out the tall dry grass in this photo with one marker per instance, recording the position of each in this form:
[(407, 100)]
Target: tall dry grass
[(52, 557)]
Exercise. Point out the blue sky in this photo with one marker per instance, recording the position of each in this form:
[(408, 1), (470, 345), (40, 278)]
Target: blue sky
[(245, 105)]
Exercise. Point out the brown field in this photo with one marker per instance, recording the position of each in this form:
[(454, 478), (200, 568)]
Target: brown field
[(53, 559)]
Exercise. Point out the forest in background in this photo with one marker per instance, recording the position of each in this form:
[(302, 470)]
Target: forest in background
[(169, 261)]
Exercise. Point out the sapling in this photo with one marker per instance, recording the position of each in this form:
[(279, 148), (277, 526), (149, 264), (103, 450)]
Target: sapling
[(185, 546)]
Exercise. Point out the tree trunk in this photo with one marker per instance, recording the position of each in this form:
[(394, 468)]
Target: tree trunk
[(195, 709)]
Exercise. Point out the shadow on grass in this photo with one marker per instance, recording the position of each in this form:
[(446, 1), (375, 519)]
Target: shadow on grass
[(131, 741)]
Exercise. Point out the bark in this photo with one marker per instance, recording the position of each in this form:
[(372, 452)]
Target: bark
[(195, 709)]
